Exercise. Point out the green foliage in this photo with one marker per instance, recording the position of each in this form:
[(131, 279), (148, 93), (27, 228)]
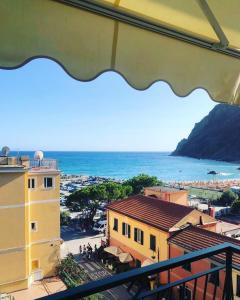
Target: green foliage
[(65, 218), (235, 208), (138, 183), (70, 272), (91, 197), (227, 198)]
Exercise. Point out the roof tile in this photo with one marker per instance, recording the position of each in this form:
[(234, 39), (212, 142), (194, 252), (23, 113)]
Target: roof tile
[(195, 238), (155, 212)]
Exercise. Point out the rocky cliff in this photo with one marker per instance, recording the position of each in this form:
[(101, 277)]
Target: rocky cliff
[(217, 136)]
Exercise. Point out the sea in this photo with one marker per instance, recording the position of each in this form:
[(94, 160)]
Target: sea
[(123, 165)]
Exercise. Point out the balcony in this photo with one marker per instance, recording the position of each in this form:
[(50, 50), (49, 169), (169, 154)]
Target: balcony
[(43, 164), (130, 279)]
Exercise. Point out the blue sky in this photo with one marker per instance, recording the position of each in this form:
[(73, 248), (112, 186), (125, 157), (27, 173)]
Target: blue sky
[(43, 108)]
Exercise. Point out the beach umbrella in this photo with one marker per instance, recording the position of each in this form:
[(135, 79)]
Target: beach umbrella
[(147, 262), (125, 257), (113, 250), (189, 44)]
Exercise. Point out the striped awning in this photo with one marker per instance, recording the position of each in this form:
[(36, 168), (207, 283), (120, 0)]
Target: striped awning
[(187, 43)]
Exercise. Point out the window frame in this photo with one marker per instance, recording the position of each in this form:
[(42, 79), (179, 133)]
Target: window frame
[(53, 182), (30, 181), (36, 226), (188, 266), (238, 285), (38, 260), (126, 230), (214, 277), (115, 224), (152, 236), (138, 236)]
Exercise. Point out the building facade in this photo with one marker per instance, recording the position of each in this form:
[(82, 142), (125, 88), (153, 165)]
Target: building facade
[(192, 239), (141, 226), (29, 221), (168, 194)]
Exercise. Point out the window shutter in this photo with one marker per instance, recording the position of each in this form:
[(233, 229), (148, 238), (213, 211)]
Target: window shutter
[(142, 238), (135, 234), (129, 231), (152, 242), (123, 228)]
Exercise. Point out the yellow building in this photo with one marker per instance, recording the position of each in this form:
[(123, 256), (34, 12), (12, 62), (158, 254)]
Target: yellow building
[(168, 194), (29, 221), (141, 226)]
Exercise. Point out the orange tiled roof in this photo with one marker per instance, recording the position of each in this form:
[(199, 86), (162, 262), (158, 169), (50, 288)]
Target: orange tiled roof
[(194, 238), (151, 211)]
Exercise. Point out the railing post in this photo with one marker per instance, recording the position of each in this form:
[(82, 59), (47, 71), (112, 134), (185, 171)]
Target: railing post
[(228, 278)]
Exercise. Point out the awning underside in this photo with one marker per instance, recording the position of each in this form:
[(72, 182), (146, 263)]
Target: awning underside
[(87, 44)]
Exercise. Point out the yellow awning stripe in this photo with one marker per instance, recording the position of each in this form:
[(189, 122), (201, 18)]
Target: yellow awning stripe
[(87, 44)]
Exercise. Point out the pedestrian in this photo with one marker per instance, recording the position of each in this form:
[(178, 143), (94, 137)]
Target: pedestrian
[(84, 250), (80, 249)]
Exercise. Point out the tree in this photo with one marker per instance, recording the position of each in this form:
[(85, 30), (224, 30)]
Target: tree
[(90, 198), (235, 208), (138, 183), (64, 218), (227, 198)]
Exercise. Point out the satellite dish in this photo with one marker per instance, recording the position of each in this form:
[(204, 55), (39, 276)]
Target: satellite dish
[(38, 155), (5, 150)]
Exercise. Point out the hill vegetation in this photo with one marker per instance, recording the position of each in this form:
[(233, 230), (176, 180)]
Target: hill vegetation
[(216, 136)]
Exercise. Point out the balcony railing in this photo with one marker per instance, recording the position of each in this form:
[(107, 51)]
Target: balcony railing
[(44, 163), (163, 291)]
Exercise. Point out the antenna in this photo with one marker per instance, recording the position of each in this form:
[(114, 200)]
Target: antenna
[(5, 151)]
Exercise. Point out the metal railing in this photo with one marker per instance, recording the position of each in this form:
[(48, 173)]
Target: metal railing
[(163, 291), (44, 163)]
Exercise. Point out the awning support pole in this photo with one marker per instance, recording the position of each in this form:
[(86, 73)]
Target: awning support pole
[(214, 24)]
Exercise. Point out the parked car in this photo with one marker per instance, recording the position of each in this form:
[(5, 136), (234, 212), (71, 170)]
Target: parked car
[(100, 226)]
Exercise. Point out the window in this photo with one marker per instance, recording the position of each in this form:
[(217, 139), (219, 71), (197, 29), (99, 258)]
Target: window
[(48, 182), (33, 226), (238, 286), (185, 293), (138, 263), (138, 236), (115, 224), (35, 264), (126, 230), (31, 183), (152, 242), (187, 266), (214, 277)]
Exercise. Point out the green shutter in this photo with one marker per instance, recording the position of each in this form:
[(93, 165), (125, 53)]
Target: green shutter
[(152, 242), (129, 231), (135, 234), (142, 237), (123, 228)]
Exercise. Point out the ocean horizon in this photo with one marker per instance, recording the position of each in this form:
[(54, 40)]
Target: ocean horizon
[(123, 165)]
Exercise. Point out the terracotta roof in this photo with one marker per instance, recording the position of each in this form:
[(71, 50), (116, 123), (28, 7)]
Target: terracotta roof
[(194, 238), (152, 211)]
